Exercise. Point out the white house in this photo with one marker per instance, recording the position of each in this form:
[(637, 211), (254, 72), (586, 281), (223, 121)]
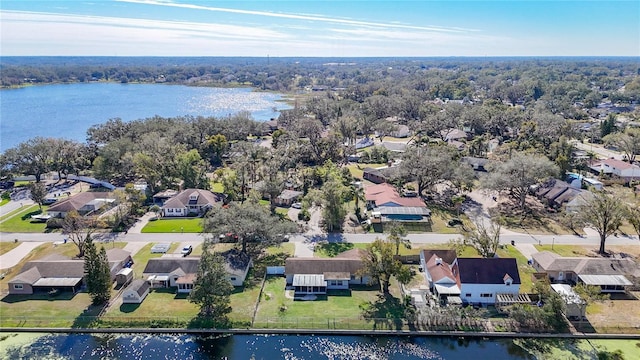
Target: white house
[(317, 275), (438, 270), (481, 280), (618, 168), (135, 292), (191, 201)]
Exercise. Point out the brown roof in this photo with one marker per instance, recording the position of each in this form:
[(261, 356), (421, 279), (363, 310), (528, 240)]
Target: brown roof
[(182, 200), (351, 254), (384, 193), (77, 201), (308, 265), (447, 255), (187, 279), (439, 269)]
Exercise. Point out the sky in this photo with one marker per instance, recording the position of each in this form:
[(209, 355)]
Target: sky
[(329, 28)]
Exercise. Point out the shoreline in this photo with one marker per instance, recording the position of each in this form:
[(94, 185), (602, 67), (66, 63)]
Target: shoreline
[(333, 332)]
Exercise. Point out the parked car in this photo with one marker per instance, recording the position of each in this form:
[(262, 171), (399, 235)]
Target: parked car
[(187, 250), (296, 205)]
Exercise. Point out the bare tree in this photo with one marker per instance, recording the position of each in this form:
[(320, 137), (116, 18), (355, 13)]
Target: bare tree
[(79, 230), (484, 240)]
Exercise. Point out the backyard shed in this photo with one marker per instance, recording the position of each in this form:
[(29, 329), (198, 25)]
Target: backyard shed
[(124, 276), (135, 292)]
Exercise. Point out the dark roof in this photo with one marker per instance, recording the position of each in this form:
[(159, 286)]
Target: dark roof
[(487, 271), (290, 194), (236, 261), (188, 265), (403, 210)]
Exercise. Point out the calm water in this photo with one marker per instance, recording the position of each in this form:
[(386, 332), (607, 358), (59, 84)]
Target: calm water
[(288, 347), (68, 110)]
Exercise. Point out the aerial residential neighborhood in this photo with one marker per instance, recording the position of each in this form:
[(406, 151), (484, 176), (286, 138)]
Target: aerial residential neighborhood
[(436, 220)]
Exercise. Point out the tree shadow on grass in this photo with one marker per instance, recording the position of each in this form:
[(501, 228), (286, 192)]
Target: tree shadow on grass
[(333, 249), (129, 308), (88, 317), (386, 312), (63, 295), (29, 214)]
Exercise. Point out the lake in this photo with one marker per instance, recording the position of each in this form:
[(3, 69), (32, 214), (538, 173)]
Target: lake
[(107, 346), (68, 110)]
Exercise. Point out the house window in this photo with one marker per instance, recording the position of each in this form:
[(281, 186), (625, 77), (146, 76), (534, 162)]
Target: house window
[(170, 210), (486, 295), (467, 295), (18, 286)]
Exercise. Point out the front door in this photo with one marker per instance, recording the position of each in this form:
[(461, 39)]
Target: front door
[(560, 276)]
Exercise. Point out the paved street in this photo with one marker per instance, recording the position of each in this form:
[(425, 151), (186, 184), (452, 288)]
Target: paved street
[(598, 150)]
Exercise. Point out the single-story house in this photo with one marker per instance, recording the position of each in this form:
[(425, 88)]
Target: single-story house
[(288, 197), (364, 143), (60, 273), (135, 292), (610, 274), (165, 272), (85, 203), (191, 201), (402, 131), (385, 214), (237, 266), (578, 202), (484, 280), (181, 272), (379, 175), (311, 275), (556, 193), (619, 168), (395, 146), (454, 134), (385, 195)]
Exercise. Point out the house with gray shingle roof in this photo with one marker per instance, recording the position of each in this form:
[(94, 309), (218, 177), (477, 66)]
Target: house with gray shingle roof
[(84, 203), (60, 273), (191, 201)]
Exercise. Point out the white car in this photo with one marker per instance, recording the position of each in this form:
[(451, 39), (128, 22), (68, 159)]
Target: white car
[(296, 205), (186, 250)]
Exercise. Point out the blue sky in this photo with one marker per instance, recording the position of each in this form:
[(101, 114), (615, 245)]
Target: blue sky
[(319, 28)]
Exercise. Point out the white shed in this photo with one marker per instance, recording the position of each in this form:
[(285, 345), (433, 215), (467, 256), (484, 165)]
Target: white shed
[(124, 276), (135, 292)]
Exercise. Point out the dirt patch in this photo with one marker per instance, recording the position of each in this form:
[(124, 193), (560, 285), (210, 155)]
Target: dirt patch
[(615, 316), (622, 251)]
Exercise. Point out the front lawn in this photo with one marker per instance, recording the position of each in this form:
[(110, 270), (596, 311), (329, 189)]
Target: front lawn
[(20, 222), (181, 225), (526, 271), (5, 247), (342, 310), (564, 250)]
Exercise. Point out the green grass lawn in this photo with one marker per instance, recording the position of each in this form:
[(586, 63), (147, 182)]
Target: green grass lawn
[(141, 258), (3, 201), (357, 169), (564, 250), (160, 305), (21, 221), (276, 310), (192, 225), (43, 310), (5, 247)]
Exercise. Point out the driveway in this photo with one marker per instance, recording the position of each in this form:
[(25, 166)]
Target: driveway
[(142, 222), (13, 257)]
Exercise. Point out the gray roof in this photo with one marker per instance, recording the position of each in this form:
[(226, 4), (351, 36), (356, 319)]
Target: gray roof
[(182, 200), (290, 194), (76, 202), (236, 262), (188, 265), (549, 261), (616, 280), (394, 146), (55, 281), (139, 286)]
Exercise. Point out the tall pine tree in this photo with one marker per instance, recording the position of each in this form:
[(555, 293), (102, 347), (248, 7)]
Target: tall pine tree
[(211, 289), (97, 273)]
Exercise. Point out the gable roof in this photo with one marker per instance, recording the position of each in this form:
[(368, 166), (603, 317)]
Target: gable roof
[(447, 255), (439, 269), (182, 200), (57, 267), (615, 163), (309, 265), (287, 194), (487, 270), (186, 265), (139, 286), (236, 262), (76, 202), (351, 254)]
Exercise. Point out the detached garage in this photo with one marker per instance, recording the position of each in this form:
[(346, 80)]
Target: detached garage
[(135, 292)]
